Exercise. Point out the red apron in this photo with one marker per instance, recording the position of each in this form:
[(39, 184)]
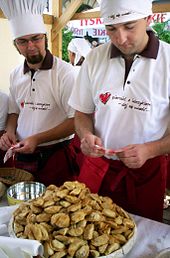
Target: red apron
[(8, 163), (2, 154), (168, 173), (139, 191), (49, 164), (77, 156)]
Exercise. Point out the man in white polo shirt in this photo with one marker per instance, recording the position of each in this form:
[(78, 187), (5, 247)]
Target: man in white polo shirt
[(40, 118), (122, 107), (3, 111), (3, 118)]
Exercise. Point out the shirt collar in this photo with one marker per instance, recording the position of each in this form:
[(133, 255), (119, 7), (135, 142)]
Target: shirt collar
[(46, 65), (151, 51)]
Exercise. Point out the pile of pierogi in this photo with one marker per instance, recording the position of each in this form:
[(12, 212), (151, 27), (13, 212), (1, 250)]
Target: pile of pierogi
[(70, 221)]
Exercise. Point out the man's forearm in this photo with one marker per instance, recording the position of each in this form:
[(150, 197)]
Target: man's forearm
[(83, 124), (61, 131), (159, 147), (11, 124)]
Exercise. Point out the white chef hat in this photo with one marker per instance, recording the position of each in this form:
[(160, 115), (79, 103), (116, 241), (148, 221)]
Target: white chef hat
[(120, 11), (80, 47), (25, 16)]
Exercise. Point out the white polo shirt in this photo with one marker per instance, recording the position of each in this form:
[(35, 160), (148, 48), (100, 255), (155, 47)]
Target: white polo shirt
[(3, 110), (41, 101), (131, 112)]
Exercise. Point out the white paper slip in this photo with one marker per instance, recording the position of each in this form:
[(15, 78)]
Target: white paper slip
[(10, 152)]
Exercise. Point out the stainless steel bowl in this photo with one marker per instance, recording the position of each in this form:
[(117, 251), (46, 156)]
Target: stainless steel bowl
[(24, 191)]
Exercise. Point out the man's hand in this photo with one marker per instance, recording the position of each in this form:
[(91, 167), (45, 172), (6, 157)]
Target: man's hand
[(134, 155), (7, 140), (27, 145), (91, 145)]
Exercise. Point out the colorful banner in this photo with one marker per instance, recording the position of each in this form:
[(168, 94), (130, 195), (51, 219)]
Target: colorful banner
[(95, 28)]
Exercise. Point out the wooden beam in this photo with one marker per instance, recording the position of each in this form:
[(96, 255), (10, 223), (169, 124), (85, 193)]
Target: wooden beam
[(57, 42), (161, 7), (64, 18), (157, 8), (1, 14), (48, 19), (85, 15)]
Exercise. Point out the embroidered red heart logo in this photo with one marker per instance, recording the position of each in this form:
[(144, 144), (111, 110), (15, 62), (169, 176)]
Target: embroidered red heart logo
[(22, 104), (105, 97)]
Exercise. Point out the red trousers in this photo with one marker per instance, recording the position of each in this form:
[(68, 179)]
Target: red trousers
[(138, 191)]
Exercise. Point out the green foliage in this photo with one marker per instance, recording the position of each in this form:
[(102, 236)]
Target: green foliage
[(162, 30), (67, 37), (83, 7)]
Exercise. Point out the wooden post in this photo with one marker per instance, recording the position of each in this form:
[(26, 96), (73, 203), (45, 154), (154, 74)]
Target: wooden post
[(64, 18), (57, 42)]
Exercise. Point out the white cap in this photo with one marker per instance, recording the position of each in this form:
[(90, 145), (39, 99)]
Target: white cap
[(120, 11), (25, 16), (80, 47)]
